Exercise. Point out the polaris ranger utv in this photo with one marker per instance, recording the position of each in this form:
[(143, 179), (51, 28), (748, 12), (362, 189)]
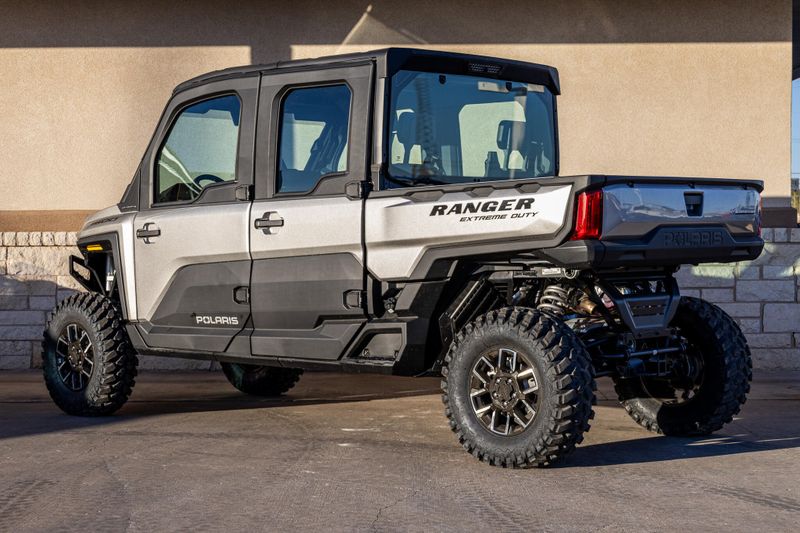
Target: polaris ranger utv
[(401, 212)]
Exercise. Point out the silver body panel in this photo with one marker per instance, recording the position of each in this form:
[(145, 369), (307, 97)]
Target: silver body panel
[(634, 211), (190, 235), (311, 226), (400, 230)]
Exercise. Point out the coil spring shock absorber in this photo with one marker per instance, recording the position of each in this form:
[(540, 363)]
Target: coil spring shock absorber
[(554, 299)]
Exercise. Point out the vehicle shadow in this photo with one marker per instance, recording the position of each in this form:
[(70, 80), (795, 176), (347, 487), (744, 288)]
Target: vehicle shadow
[(26, 410), (763, 425), (313, 389), (659, 448)]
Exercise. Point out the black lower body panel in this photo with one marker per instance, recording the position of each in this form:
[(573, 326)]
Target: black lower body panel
[(300, 306)]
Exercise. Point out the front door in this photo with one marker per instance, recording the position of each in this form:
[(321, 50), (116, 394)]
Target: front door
[(305, 230), (191, 251)]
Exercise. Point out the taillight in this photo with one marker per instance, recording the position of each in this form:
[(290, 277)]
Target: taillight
[(588, 216)]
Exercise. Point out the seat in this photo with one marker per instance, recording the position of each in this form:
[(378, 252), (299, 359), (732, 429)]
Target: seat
[(511, 139), (406, 130)]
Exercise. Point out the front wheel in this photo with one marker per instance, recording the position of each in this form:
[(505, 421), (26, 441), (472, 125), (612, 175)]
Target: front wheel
[(261, 380), (712, 382), (89, 365), (518, 388)]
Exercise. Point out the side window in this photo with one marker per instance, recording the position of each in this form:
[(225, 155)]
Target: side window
[(199, 151), (315, 124)]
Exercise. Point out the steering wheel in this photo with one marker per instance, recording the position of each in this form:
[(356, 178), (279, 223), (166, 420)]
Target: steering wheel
[(208, 177)]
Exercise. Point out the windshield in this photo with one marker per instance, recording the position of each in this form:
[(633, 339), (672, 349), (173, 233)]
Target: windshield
[(447, 128)]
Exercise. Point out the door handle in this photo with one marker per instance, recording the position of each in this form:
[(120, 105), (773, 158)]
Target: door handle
[(147, 232), (269, 220)]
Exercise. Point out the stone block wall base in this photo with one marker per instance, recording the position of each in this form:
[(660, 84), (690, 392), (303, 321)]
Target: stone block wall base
[(763, 296), (779, 217)]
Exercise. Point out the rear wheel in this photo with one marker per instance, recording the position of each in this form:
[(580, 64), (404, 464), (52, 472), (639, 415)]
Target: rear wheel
[(518, 388), (712, 382), (88, 363), (261, 380)]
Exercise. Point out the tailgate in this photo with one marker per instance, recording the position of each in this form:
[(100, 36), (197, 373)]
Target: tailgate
[(637, 209), (671, 221)]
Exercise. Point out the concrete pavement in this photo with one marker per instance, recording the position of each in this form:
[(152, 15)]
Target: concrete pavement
[(352, 452)]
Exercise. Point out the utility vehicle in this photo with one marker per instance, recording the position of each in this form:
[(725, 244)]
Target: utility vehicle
[(401, 211)]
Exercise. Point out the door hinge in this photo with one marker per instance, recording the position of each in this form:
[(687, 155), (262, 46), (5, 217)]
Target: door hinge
[(357, 189), (244, 193), (355, 299), (241, 295)]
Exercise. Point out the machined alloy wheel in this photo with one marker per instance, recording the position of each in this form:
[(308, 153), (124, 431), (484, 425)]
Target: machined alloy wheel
[(74, 356), (518, 388), (504, 391)]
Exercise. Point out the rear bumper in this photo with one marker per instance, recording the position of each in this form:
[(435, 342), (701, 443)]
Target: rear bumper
[(666, 246)]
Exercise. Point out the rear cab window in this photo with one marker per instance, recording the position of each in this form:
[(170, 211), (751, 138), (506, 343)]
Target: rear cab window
[(449, 128)]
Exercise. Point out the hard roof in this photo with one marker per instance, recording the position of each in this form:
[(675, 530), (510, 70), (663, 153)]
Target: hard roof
[(389, 60)]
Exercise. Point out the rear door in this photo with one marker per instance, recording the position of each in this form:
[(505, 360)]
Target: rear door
[(192, 260), (305, 229)]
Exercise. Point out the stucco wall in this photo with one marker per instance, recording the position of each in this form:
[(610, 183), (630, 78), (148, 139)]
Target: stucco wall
[(678, 88)]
